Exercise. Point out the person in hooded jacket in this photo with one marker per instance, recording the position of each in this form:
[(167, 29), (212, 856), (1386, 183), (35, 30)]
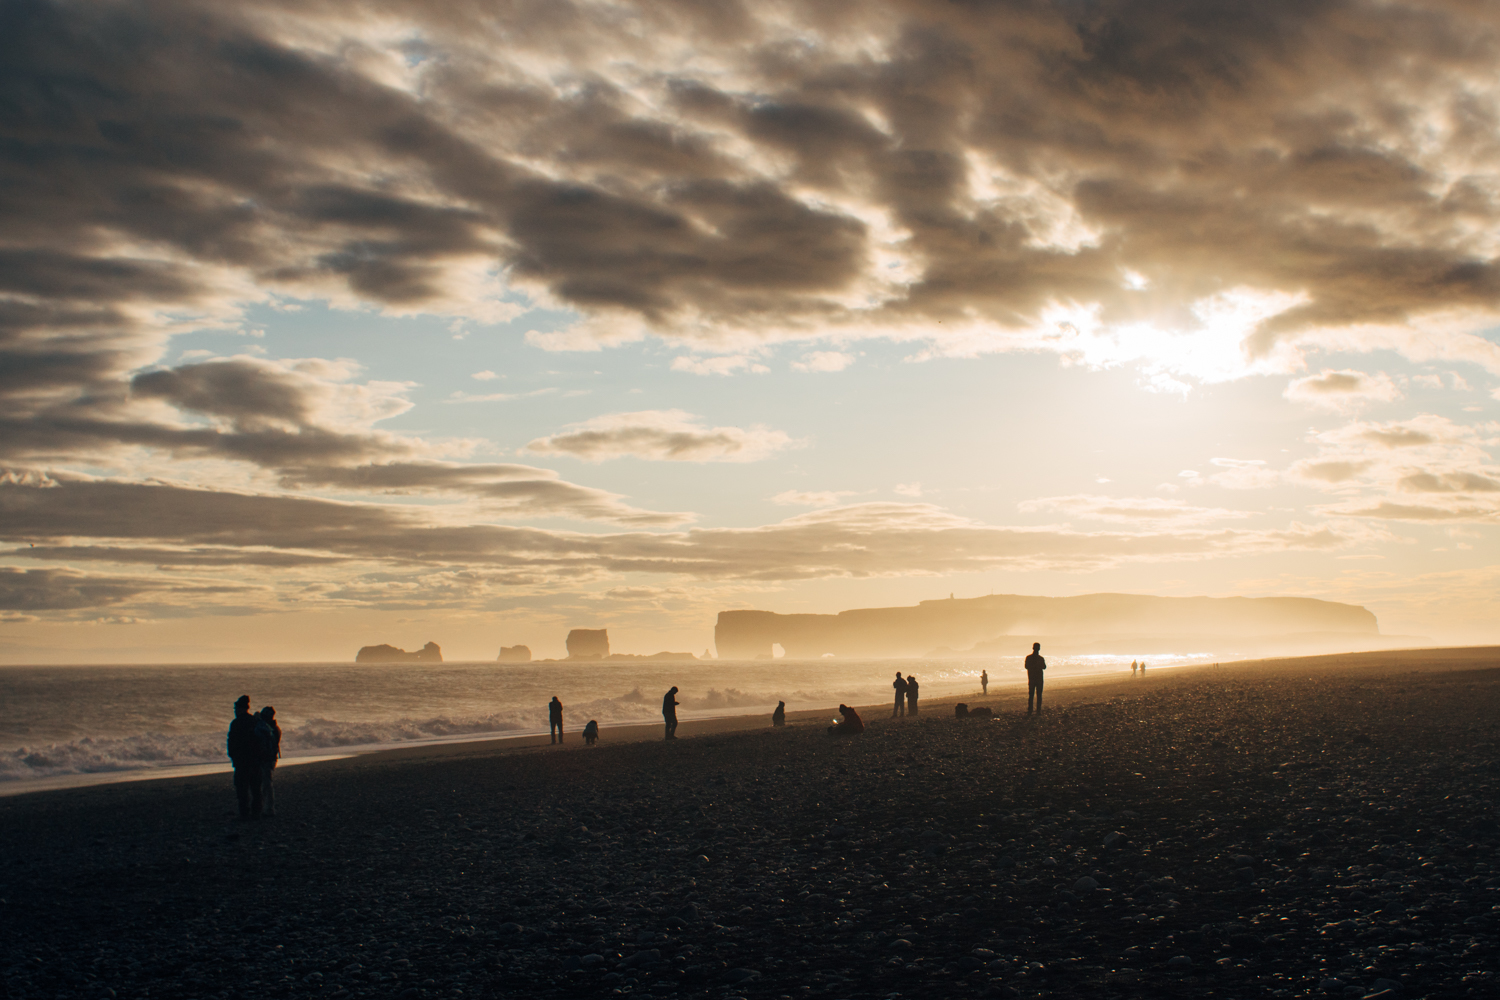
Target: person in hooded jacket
[(849, 725), (268, 735), (245, 754)]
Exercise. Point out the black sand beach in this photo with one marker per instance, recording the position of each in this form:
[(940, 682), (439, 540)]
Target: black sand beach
[(1317, 827)]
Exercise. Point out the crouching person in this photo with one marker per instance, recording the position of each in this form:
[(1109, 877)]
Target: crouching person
[(849, 725)]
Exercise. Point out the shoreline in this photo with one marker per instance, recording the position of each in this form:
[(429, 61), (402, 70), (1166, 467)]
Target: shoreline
[(1299, 827), (1006, 689)]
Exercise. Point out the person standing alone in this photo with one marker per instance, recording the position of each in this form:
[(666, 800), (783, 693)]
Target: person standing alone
[(669, 712), (245, 754), (984, 682), (554, 719), (1035, 665)]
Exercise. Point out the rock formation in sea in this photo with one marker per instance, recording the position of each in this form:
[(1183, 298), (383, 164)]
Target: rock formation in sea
[(514, 654), (430, 653), (1092, 622), (612, 657), (588, 644)]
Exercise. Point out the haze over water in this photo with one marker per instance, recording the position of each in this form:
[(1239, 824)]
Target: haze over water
[(108, 719)]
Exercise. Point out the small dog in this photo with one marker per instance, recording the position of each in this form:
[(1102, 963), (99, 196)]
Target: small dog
[(591, 733)]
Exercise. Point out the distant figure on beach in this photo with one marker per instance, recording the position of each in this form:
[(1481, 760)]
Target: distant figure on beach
[(900, 685), (1143, 668), (912, 689), (268, 736), (554, 719), (778, 717), (1035, 666), (984, 682), (1132, 668), (669, 705), (850, 724), (245, 755), (591, 732)]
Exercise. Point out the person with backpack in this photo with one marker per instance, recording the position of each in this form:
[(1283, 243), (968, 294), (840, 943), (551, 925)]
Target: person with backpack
[(268, 738), (245, 755)]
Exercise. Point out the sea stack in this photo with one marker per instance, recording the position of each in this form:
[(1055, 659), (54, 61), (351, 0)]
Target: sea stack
[(514, 654), (588, 644), (430, 653)]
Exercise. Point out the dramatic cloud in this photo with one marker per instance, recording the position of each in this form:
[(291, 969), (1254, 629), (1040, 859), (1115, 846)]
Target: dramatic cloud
[(1427, 468), (1203, 189), (874, 539), (661, 435), (510, 490), (1342, 390)]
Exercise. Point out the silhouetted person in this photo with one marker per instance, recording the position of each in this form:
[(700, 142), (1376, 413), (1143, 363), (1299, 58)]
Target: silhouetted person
[(1035, 666), (554, 719), (778, 717), (850, 725), (245, 755), (984, 682), (900, 685), (1143, 668), (591, 732), (912, 690), (1132, 668), (669, 712), (268, 737)]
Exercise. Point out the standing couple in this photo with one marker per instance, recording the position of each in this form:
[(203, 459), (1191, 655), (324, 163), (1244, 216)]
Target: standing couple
[(254, 746), (907, 690)]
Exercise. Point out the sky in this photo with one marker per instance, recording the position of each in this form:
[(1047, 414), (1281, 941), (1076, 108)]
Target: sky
[(333, 324)]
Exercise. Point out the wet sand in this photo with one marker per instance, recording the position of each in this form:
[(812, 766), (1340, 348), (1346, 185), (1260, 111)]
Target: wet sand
[(1323, 826)]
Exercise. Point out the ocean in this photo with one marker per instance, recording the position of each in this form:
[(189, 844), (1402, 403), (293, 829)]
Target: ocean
[(75, 725)]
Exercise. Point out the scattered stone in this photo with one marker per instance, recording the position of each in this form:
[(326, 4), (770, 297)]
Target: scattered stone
[(1179, 962), (1086, 884)]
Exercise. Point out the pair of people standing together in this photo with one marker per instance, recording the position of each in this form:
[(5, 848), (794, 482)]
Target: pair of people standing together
[(907, 690), (254, 746)]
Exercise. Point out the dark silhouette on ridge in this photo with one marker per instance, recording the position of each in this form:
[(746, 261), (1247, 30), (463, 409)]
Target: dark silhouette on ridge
[(669, 712), (1035, 666), (245, 755)]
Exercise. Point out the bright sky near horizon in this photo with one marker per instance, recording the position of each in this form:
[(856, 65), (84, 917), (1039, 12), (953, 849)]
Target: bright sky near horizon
[(324, 325)]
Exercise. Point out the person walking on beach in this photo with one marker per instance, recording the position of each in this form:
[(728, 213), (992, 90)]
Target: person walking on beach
[(778, 717), (1035, 665), (984, 682), (268, 736), (1132, 668), (669, 712), (912, 689), (554, 719), (900, 685), (244, 754)]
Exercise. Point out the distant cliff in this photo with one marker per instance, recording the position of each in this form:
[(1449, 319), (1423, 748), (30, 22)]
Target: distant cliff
[(1095, 618), (514, 654), (430, 653)]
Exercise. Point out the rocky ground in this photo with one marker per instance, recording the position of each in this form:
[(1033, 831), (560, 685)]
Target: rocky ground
[(1297, 830)]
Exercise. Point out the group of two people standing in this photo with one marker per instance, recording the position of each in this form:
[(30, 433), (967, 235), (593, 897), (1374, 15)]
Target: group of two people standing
[(254, 747), (907, 690)]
